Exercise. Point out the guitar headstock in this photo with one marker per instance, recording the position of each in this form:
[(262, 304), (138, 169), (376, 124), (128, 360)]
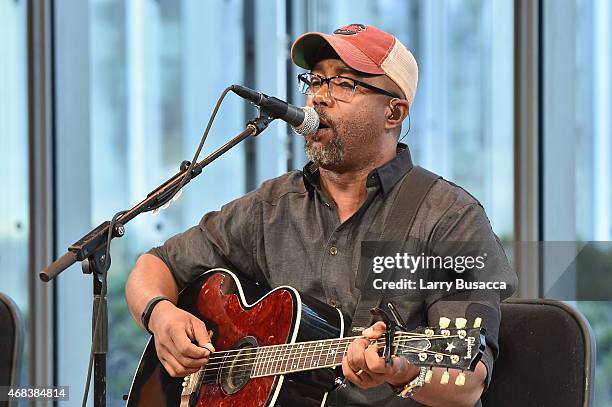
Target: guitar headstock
[(447, 347)]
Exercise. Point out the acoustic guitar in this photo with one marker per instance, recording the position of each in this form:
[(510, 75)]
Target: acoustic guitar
[(283, 348)]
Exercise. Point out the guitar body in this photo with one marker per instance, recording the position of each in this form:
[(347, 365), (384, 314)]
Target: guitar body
[(241, 315)]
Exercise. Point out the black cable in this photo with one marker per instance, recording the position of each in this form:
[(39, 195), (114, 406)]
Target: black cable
[(196, 155), (105, 265), (407, 131)]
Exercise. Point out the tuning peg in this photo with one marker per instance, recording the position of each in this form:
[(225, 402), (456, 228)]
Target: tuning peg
[(422, 356), (454, 359), (445, 377), (460, 380), (477, 322), (428, 376), (462, 334), (429, 332), (460, 322), (438, 357), (444, 322)]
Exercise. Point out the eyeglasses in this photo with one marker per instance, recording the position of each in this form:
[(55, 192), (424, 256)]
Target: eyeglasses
[(340, 87)]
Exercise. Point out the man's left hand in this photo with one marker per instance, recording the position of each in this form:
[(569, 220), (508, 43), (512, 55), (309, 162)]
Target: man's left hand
[(363, 365)]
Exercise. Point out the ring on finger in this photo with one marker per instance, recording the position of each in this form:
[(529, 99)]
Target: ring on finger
[(360, 371)]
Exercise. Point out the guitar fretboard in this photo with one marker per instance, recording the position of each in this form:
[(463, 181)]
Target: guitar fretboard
[(275, 359), (291, 358)]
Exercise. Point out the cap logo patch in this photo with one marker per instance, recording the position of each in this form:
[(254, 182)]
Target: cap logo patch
[(350, 29)]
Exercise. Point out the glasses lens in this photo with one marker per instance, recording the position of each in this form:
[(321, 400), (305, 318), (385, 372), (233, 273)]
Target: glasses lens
[(342, 88), (304, 83), (339, 88), (309, 84)]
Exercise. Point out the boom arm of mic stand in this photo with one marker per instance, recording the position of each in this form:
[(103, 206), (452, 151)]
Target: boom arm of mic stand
[(96, 239)]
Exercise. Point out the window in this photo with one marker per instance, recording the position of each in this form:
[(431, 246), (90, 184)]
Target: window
[(14, 222), (146, 75), (578, 145)]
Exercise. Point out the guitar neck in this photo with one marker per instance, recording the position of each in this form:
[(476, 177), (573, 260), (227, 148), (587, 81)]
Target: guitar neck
[(298, 357)]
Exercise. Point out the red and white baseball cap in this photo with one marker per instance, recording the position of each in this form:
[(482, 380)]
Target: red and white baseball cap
[(364, 48)]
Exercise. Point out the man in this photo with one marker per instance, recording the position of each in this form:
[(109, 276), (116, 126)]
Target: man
[(304, 229)]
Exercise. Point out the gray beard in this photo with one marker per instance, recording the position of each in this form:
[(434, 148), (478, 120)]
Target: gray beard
[(327, 155)]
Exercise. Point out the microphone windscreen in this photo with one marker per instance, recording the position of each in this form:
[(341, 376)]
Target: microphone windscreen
[(310, 123)]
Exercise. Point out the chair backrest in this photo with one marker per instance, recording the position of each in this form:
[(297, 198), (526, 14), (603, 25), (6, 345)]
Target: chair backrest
[(546, 358), (11, 341)]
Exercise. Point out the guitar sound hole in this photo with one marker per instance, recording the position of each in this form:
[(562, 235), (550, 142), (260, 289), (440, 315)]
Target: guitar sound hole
[(237, 367)]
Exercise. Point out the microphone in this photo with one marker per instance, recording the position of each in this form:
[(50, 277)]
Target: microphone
[(303, 120)]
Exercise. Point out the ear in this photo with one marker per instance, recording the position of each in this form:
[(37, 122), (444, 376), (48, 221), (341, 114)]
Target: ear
[(396, 112)]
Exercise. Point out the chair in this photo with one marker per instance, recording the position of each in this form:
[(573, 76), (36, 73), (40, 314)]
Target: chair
[(547, 357), (11, 342)]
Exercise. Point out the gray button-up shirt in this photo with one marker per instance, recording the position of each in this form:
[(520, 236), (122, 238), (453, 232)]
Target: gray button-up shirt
[(287, 232)]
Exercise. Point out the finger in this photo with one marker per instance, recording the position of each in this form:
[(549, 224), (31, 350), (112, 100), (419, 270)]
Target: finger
[(183, 338), (375, 331), (174, 367), (200, 334), (364, 380), (189, 354), (355, 360), (355, 353), (365, 376), (401, 367), (374, 363), (185, 361), (349, 373)]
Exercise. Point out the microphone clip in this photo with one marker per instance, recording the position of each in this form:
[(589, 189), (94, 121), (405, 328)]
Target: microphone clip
[(260, 123)]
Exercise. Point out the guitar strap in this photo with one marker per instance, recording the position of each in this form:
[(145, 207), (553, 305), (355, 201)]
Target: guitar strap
[(415, 187)]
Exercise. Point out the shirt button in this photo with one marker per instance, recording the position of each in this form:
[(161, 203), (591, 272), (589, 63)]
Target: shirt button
[(333, 250)]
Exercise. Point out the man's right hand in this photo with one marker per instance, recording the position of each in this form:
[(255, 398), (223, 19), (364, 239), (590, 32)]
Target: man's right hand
[(181, 340)]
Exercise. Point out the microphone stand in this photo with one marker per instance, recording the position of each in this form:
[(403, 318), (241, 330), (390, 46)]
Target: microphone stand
[(91, 248)]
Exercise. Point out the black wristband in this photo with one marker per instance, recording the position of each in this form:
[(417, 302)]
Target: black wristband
[(146, 314)]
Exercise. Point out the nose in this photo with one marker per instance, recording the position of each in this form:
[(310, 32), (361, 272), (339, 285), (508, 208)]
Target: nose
[(322, 97)]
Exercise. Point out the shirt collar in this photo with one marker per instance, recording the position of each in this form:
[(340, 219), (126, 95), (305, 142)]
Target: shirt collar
[(385, 176)]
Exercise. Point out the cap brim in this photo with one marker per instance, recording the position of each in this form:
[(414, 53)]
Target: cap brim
[(305, 48)]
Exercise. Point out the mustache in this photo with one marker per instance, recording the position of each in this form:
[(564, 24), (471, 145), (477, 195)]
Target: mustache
[(326, 118)]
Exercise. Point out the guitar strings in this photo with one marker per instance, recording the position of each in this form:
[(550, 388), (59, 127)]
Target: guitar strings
[(273, 362), (326, 342), (348, 338), (245, 373), (245, 369), (270, 364), (271, 352)]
